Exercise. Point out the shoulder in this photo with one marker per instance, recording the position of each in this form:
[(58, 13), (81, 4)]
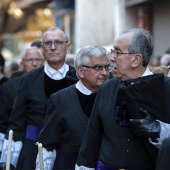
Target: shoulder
[(110, 83), (64, 92)]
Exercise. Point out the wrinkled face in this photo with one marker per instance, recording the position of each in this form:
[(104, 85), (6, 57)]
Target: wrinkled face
[(31, 60), (91, 77), (55, 48), (123, 61)]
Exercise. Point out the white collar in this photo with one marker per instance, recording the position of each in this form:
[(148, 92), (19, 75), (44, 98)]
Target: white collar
[(82, 88), (147, 72), (61, 72)]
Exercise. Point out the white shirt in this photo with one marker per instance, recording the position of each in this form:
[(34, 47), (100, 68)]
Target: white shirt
[(56, 74), (82, 88)]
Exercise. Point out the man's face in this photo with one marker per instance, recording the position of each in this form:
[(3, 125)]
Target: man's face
[(92, 78), (122, 62), (31, 60), (55, 53)]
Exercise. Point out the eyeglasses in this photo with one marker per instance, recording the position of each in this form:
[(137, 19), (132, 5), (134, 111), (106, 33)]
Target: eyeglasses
[(100, 67), (58, 44), (117, 53), (31, 60)]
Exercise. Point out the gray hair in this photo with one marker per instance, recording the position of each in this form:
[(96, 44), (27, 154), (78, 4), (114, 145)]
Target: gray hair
[(66, 38), (86, 53), (141, 42), (23, 52)]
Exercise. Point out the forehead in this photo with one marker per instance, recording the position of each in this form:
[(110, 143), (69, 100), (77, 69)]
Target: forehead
[(53, 34), (99, 60), (32, 53), (123, 41)]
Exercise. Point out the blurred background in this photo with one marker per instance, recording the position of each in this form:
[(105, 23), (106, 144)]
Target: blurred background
[(95, 22)]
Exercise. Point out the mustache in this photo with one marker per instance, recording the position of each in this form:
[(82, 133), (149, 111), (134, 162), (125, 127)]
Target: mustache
[(113, 65)]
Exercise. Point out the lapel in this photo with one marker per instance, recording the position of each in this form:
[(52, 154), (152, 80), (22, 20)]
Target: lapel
[(76, 105)]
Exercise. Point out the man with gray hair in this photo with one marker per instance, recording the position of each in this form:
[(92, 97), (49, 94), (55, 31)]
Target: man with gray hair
[(70, 110), (30, 104), (122, 132), (31, 58)]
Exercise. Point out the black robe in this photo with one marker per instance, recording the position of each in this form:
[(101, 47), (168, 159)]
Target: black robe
[(9, 90), (65, 128), (29, 112), (111, 144)]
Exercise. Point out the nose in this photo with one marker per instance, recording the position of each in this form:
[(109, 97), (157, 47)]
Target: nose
[(112, 57), (103, 71), (34, 62), (53, 46)]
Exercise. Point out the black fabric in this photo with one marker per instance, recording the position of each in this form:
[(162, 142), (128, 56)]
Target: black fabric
[(17, 74), (146, 92), (9, 90), (31, 96), (3, 166), (55, 85), (163, 156), (147, 126), (104, 140), (86, 102)]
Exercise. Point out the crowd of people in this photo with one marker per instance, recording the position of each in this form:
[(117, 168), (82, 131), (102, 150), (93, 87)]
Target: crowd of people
[(104, 112)]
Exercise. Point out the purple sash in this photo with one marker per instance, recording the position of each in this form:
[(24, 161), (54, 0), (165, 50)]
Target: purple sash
[(101, 166), (66, 160), (32, 132)]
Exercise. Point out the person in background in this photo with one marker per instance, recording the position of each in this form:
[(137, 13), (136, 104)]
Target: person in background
[(12, 67), (160, 69), (3, 77), (21, 72), (31, 58), (165, 59), (114, 139), (35, 87), (69, 118)]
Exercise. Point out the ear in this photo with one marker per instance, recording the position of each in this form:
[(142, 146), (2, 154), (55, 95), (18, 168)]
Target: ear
[(80, 71), (136, 60), (68, 47), (21, 64)]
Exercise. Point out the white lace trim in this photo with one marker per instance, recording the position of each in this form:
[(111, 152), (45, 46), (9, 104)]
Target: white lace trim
[(2, 136), (83, 168), (15, 151), (48, 159), (165, 133)]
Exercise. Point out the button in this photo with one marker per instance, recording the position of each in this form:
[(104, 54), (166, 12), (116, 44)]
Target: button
[(128, 140), (127, 150)]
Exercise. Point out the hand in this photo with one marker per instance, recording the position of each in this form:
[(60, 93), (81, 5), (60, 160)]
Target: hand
[(147, 126), (3, 166)]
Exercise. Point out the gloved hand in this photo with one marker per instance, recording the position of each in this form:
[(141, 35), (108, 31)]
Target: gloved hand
[(147, 126), (3, 166)]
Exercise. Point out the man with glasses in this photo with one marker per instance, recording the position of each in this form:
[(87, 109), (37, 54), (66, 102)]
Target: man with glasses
[(29, 108), (31, 58), (71, 108), (115, 139)]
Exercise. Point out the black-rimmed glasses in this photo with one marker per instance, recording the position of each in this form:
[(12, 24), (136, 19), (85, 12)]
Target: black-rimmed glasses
[(99, 67), (117, 53), (58, 44), (31, 60)]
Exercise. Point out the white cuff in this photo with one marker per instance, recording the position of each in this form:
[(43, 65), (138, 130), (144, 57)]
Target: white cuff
[(83, 168), (15, 152), (165, 133), (48, 159), (2, 137)]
